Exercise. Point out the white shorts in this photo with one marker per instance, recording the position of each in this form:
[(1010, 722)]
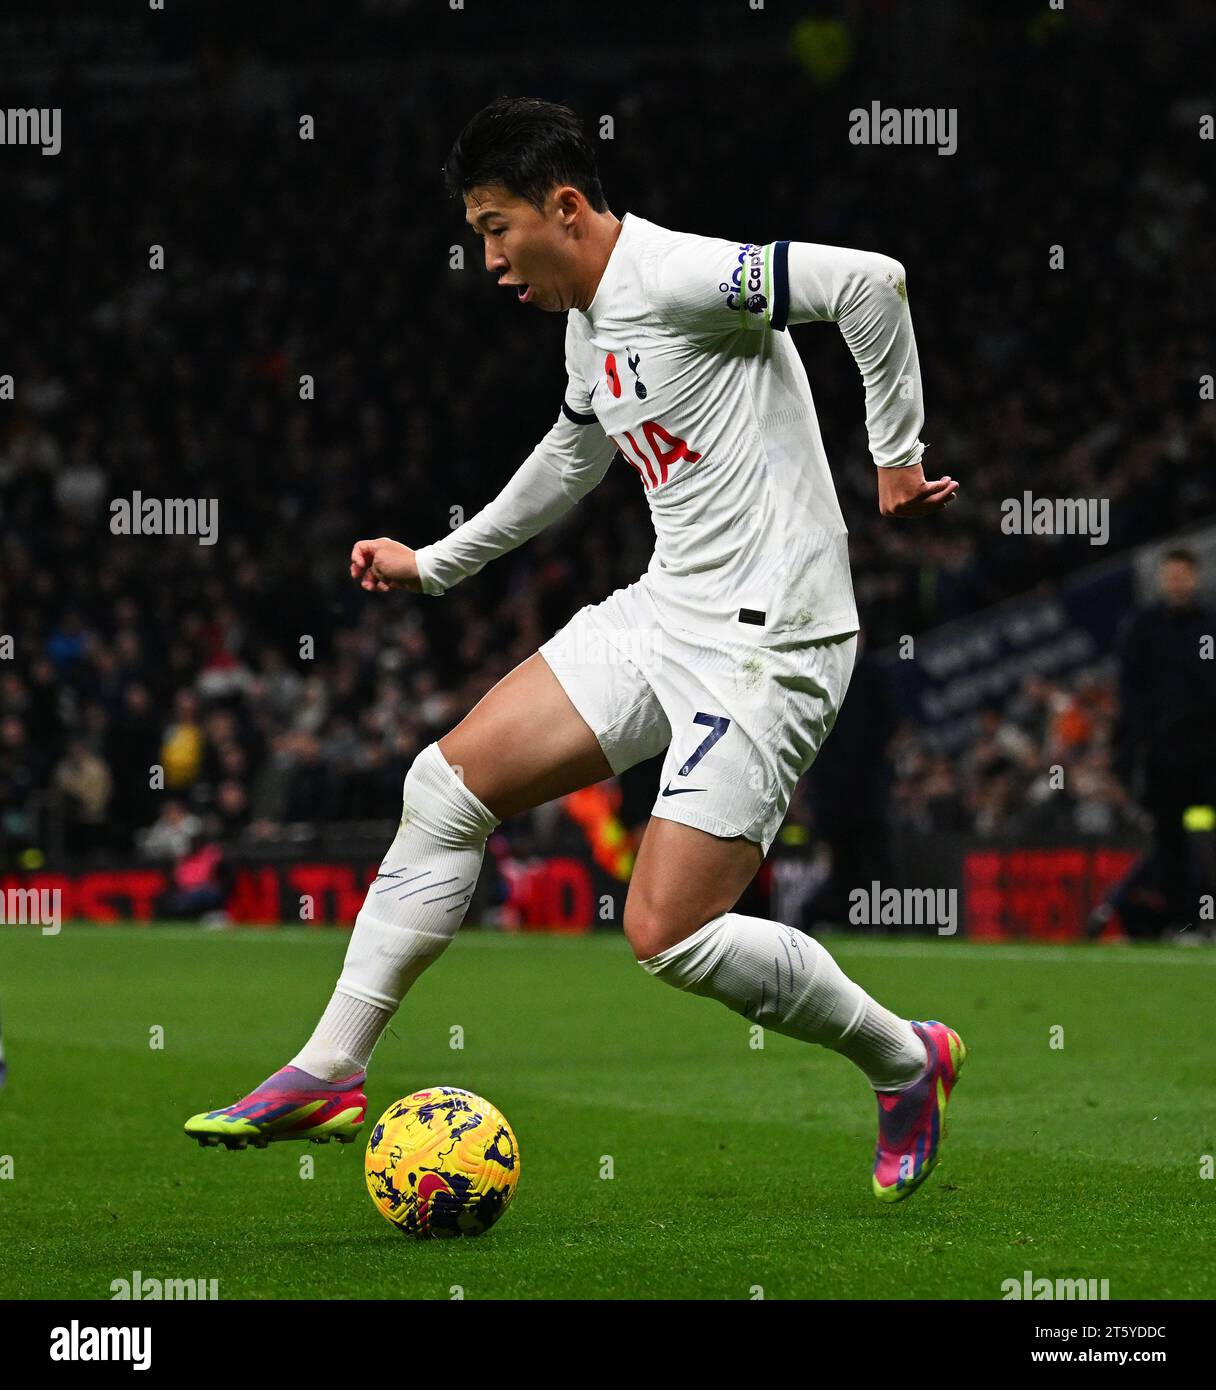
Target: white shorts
[(741, 722)]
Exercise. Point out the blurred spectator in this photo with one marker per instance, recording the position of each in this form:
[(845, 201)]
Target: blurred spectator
[(201, 883), (83, 779), (172, 834), (181, 752), (1166, 740)]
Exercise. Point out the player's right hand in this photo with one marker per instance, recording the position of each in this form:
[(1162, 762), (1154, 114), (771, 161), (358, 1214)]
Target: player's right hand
[(904, 492), (384, 564)]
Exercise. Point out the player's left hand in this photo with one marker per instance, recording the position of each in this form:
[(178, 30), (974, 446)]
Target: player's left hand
[(905, 492), (384, 564)]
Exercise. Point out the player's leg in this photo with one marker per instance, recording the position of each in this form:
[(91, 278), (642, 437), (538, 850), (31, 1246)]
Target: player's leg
[(678, 920), (525, 743), (747, 721), (679, 923), (522, 745)]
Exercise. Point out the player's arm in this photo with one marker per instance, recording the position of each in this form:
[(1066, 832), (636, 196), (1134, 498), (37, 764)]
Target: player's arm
[(710, 289), (866, 295), (571, 459)]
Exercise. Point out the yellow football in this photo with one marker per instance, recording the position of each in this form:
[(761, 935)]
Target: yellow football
[(442, 1162)]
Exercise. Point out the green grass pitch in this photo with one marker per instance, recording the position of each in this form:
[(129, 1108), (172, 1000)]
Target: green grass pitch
[(734, 1169)]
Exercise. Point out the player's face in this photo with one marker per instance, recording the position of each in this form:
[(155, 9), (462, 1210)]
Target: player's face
[(526, 248), (1179, 581)]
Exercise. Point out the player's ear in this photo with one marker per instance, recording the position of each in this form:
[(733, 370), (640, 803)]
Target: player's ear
[(569, 203)]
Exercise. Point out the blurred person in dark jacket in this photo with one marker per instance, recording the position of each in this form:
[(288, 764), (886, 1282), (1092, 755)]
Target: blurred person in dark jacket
[(1165, 749)]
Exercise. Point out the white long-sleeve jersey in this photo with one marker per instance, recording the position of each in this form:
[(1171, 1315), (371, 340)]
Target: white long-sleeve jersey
[(682, 364)]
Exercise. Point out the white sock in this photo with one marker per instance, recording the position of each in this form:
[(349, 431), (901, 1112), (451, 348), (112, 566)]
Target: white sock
[(786, 981), (344, 1040), (412, 911)]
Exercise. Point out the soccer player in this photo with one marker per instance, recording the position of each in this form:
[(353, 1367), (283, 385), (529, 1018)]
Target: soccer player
[(733, 652)]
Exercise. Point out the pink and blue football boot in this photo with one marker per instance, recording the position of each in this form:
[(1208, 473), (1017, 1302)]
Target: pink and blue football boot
[(912, 1123), (289, 1105)]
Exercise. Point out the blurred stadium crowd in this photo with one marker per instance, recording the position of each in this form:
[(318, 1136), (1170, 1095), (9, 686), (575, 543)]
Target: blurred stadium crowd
[(1001, 782), (273, 692)]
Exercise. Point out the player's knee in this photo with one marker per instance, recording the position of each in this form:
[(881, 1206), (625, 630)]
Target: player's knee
[(436, 801), (651, 929), (643, 928)]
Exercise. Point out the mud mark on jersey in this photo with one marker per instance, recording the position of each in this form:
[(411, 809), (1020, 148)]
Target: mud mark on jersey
[(752, 672)]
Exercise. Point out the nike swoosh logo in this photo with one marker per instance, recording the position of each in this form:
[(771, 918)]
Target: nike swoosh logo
[(676, 791), (593, 390)]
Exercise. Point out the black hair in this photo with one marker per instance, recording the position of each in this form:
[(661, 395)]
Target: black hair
[(1181, 554), (527, 146)]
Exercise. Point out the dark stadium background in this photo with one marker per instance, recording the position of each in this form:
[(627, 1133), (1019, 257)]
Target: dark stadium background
[(331, 257)]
